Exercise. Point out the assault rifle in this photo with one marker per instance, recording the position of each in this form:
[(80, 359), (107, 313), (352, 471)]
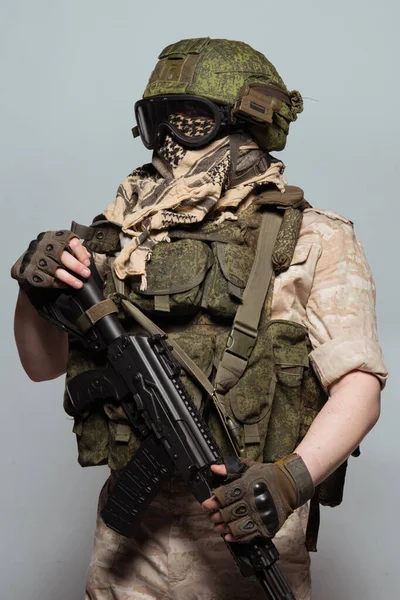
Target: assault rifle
[(143, 376)]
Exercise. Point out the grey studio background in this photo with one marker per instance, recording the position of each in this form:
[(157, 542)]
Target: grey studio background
[(70, 72)]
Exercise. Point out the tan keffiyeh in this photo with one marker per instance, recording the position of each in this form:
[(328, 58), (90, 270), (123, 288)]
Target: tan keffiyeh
[(180, 188)]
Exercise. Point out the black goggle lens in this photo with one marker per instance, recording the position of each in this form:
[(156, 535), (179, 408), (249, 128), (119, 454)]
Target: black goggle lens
[(192, 121)]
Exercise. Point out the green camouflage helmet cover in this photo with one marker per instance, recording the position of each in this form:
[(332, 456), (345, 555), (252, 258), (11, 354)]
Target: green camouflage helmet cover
[(217, 70)]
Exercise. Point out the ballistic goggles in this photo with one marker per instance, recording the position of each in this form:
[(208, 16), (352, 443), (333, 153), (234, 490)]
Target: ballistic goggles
[(191, 120), (194, 121)]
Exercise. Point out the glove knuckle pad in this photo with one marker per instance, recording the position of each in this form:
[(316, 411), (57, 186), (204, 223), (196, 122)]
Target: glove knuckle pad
[(234, 512), (265, 506), (37, 280), (33, 245), (244, 528), (26, 259), (235, 492), (39, 263), (230, 493)]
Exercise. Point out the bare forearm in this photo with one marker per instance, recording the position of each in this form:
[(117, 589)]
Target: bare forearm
[(351, 411), (42, 347)]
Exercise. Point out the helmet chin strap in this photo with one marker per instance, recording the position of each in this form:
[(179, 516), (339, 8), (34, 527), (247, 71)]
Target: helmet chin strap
[(247, 171), (235, 142)]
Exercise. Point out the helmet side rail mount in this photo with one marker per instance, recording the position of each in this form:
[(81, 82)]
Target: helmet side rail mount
[(257, 102)]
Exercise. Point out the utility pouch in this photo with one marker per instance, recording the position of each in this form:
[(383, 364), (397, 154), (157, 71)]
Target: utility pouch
[(290, 354), (90, 427), (104, 437), (267, 402), (103, 434), (330, 491), (227, 279), (175, 278)]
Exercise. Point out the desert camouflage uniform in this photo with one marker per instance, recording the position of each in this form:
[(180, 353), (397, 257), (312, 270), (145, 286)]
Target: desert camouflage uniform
[(177, 555)]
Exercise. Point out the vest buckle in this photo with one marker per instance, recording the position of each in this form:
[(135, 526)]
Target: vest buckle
[(241, 342)]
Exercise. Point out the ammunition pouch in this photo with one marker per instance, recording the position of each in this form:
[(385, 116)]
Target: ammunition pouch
[(176, 276)]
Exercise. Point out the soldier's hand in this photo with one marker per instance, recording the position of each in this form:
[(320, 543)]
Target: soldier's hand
[(44, 264), (259, 497)]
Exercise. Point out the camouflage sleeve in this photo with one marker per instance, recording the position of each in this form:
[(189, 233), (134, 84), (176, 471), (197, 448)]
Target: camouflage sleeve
[(341, 309)]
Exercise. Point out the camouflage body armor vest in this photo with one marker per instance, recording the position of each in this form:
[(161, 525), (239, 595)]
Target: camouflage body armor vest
[(195, 286)]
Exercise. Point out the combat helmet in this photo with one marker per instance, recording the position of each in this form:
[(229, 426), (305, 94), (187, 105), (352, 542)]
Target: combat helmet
[(223, 80)]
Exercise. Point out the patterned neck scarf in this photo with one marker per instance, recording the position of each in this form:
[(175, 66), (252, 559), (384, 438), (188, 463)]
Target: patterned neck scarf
[(182, 187)]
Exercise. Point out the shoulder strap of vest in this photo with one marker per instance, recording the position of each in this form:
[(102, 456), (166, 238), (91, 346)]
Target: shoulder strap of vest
[(243, 335)]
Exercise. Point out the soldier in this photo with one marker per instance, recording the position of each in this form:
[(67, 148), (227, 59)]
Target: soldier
[(297, 368)]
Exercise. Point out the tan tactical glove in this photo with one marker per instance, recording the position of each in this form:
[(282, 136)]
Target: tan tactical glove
[(37, 266), (260, 499)]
